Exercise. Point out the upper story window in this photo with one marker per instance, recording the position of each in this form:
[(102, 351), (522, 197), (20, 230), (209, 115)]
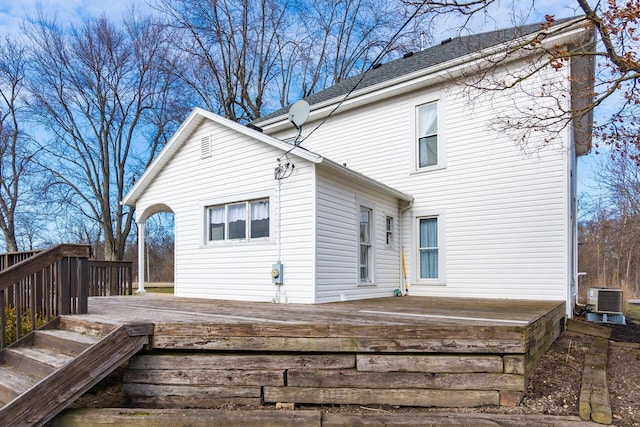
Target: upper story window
[(236, 221), (427, 128)]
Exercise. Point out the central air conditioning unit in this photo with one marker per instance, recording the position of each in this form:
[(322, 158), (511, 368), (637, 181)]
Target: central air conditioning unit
[(605, 300)]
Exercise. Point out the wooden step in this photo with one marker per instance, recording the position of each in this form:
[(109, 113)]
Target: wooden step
[(67, 342), (71, 380), (13, 383), (86, 327), (37, 361)]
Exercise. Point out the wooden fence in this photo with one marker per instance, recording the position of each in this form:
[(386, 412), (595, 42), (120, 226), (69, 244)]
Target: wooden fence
[(37, 286)]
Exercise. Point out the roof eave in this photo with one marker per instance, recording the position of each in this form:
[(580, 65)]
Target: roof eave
[(582, 93), (422, 78)]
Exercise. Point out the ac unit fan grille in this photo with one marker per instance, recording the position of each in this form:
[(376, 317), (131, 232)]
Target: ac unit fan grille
[(609, 301)]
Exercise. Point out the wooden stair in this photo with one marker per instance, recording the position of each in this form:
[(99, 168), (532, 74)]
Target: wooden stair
[(44, 372)]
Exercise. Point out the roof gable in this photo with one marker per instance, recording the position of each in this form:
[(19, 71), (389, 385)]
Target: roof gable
[(184, 132)]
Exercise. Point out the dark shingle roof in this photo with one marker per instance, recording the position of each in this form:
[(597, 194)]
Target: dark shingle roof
[(440, 53)]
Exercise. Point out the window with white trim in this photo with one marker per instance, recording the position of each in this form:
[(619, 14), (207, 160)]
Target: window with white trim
[(428, 251), (365, 247), (236, 221), (389, 230), (427, 135)]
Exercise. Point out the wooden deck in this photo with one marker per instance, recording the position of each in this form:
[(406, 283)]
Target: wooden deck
[(408, 351), (398, 324)]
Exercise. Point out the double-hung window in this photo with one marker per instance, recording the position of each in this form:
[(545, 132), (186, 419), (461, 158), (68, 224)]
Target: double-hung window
[(428, 248), (365, 248), (427, 128), (239, 220), (217, 223), (259, 218)]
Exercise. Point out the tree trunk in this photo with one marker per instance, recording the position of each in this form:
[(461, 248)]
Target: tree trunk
[(10, 242), (110, 249)]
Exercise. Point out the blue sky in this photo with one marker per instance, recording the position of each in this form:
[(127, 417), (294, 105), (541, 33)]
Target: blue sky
[(502, 14), (13, 11)]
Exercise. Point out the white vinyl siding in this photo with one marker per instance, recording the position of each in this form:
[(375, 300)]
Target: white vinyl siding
[(507, 210), (337, 240), (237, 270)]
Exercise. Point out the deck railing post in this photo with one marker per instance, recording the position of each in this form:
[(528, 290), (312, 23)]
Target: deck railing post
[(3, 319), (130, 280), (83, 285), (64, 291), (17, 304), (38, 290)]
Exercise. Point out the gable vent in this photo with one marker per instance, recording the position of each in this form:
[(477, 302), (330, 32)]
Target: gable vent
[(205, 147)]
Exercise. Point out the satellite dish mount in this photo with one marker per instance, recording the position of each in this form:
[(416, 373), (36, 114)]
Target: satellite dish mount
[(298, 115)]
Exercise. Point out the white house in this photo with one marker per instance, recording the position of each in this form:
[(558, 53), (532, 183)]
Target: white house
[(424, 192)]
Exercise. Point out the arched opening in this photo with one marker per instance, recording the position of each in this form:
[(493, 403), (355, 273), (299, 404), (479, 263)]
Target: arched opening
[(155, 261)]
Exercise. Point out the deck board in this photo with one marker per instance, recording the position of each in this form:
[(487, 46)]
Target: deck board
[(383, 311), (395, 324)]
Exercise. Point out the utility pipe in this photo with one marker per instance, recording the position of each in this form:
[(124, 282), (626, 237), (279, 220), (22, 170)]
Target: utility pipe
[(404, 287)]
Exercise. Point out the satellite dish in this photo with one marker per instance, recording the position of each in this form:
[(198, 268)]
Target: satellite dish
[(299, 113)]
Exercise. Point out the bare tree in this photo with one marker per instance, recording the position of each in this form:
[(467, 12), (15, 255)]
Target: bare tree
[(247, 54), (107, 95), (233, 46), (342, 38), (15, 154), (610, 252)]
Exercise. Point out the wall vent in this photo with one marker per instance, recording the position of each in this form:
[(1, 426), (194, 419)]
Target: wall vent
[(205, 147), (605, 300)]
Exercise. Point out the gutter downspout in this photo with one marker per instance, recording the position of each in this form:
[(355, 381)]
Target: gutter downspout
[(404, 286)]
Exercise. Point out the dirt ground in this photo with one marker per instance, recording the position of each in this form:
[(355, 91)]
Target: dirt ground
[(554, 388)]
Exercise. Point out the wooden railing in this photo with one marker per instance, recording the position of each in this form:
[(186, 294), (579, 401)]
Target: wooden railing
[(42, 287), (37, 286), (11, 258), (108, 278)]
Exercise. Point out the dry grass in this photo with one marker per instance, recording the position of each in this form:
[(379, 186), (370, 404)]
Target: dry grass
[(633, 312)]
